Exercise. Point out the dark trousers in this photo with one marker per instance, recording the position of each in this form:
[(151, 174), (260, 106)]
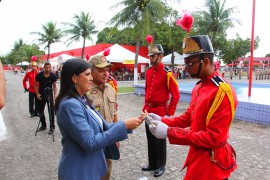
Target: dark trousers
[(33, 104), (42, 103), (156, 150)]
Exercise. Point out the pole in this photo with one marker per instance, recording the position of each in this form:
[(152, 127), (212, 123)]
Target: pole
[(251, 49)]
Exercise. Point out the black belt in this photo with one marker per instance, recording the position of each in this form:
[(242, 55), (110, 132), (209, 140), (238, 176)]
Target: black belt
[(156, 104)]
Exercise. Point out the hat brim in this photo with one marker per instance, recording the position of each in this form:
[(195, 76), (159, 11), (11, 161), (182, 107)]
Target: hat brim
[(152, 53), (194, 54), (104, 65)]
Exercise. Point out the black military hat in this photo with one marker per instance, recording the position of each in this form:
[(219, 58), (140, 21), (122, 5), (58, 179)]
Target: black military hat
[(194, 45), (155, 49)]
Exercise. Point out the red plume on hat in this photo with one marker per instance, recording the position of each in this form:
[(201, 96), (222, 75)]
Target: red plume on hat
[(33, 58), (106, 52), (87, 56), (186, 21), (149, 39)]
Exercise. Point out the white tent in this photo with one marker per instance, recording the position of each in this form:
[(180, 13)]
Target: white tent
[(178, 59), (23, 63), (119, 54), (61, 58)]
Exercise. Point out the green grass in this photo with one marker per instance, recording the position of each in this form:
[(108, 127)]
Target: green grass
[(126, 89)]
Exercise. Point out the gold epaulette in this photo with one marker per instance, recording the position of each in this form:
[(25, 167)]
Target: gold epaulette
[(224, 88), (169, 76)]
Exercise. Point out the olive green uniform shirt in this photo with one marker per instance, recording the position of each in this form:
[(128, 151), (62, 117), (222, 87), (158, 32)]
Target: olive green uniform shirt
[(104, 100)]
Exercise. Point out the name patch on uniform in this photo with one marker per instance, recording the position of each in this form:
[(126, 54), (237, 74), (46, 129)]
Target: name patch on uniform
[(94, 91)]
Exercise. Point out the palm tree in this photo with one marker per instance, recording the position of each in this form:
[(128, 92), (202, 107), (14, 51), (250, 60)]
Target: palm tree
[(83, 27), (18, 44), (142, 15), (49, 36), (27, 51), (216, 19)]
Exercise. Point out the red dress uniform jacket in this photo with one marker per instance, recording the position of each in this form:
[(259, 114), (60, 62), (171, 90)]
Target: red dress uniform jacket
[(161, 86), (191, 129), (30, 76)]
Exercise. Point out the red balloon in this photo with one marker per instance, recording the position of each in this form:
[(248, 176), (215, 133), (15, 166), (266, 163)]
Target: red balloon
[(34, 58), (106, 52), (87, 56), (186, 21), (149, 39)]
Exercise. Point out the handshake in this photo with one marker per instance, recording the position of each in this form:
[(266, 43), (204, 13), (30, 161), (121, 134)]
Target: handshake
[(156, 126)]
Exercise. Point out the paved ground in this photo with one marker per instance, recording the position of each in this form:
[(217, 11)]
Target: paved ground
[(25, 156)]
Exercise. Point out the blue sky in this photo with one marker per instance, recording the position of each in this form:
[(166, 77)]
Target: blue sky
[(20, 17)]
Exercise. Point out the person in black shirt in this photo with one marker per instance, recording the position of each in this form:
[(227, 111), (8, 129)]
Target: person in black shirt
[(45, 84)]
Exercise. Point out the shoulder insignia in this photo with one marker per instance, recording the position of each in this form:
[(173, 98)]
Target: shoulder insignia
[(110, 78), (94, 91), (217, 80), (167, 69)]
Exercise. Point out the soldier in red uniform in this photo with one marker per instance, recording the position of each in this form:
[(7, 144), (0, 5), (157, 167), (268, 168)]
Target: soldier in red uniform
[(205, 124), (30, 77), (161, 97), (112, 81)]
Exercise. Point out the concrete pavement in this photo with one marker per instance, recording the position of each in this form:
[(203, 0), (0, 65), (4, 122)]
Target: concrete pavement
[(25, 156)]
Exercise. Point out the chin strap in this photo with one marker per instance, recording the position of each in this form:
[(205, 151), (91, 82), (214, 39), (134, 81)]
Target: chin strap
[(156, 60), (200, 67)]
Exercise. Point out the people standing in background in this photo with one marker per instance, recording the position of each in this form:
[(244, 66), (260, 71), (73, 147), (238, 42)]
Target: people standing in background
[(260, 74), (240, 73), (103, 95), (45, 85), (2, 86), (180, 73), (30, 76), (231, 73), (161, 97)]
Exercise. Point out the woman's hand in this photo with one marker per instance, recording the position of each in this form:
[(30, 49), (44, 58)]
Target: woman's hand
[(133, 123)]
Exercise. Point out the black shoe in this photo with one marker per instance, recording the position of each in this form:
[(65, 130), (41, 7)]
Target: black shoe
[(148, 168), (159, 172), (32, 115), (51, 131), (42, 128)]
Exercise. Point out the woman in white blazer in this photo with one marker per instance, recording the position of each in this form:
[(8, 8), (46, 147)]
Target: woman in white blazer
[(87, 139)]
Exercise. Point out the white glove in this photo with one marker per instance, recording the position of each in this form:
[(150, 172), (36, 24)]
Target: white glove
[(149, 118), (159, 129), (154, 116)]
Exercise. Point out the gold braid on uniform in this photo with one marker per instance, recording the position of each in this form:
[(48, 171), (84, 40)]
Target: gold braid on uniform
[(112, 84), (224, 88), (169, 76)]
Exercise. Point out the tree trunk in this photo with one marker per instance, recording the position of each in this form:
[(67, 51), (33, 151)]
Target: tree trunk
[(172, 59), (48, 52), (82, 55), (135, 75)]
